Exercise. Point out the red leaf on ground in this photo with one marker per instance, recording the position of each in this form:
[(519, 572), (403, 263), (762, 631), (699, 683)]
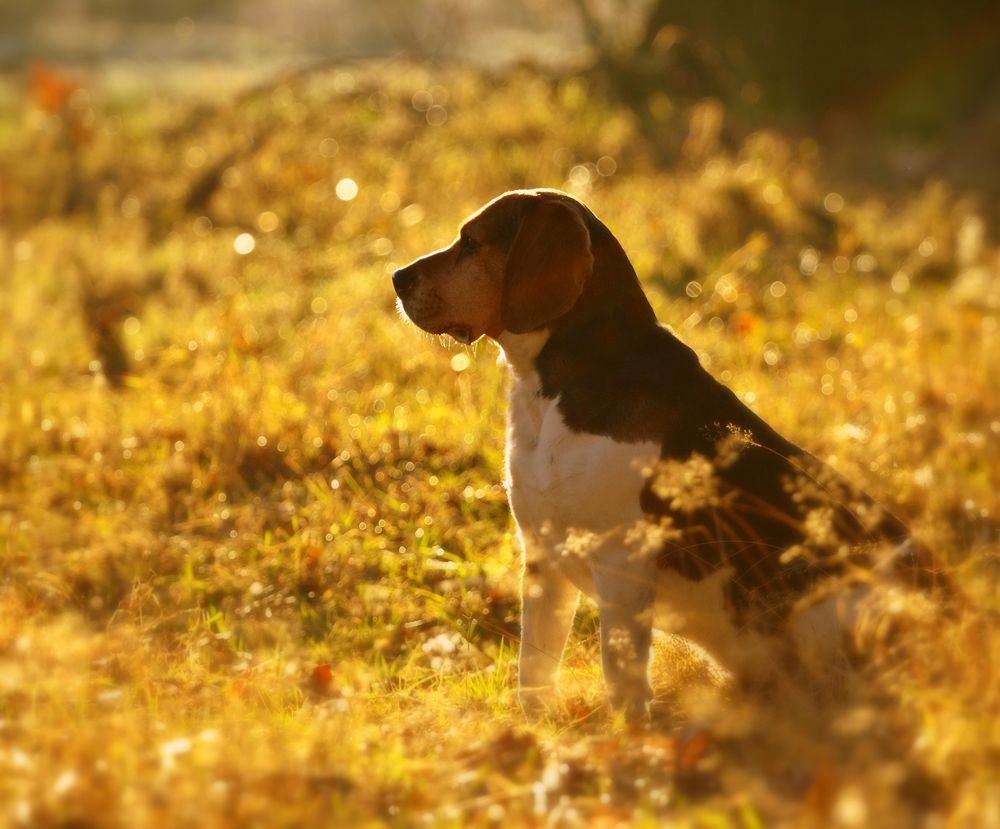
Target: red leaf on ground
[(321, 677)]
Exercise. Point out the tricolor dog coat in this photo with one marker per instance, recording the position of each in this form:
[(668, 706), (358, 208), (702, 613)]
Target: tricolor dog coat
[(636, 477)]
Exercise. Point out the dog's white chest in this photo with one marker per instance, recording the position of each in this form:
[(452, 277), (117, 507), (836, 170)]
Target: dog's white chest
[(564, 480)]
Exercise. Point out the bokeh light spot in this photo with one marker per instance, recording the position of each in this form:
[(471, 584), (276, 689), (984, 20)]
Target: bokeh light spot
[(131, 206), (389, 201), (328, 148), (422, 100), (412, 214), (343, 82), (579, 176), (268, 221), (900, 282), (347, 189), (808, 261), (244, 244), (833, 202), (865, 263), (195, 156), (437, 115), (772, 194)]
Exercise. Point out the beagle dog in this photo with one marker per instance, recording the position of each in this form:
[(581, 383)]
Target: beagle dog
[(637, 478)]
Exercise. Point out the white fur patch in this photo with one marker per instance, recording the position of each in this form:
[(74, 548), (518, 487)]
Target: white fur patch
[(560, 480)]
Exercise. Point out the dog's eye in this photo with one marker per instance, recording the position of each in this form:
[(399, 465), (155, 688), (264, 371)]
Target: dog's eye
[(467, 246)]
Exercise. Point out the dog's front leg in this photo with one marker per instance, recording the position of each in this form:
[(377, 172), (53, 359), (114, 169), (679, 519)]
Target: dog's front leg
[(548, 604), (626, 592)]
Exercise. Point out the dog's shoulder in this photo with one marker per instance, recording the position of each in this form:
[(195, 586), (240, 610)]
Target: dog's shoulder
[(641, 383)]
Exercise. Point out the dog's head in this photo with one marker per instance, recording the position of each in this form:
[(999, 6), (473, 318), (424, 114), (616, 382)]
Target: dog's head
[(517, 265)]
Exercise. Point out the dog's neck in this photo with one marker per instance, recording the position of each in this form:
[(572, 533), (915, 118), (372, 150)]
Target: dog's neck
[(521, 350)]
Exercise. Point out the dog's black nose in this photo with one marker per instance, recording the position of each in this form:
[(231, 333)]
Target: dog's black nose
[(403, 280)]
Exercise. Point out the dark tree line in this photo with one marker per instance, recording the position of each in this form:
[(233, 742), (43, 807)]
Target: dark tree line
[(933, 58)]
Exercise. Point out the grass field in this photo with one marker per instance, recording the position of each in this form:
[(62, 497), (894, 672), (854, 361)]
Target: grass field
[(256, 567)]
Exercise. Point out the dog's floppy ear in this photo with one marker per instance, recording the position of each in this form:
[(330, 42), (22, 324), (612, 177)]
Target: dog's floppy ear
[(547, 266)]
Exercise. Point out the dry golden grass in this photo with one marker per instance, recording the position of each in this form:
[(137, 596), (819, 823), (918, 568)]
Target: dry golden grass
[(255, 564)]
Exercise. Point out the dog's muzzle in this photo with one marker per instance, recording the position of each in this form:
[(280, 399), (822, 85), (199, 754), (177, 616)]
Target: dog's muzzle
[(404, 279)]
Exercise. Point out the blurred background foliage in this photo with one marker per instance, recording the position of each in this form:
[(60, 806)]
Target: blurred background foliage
[(919, 64), (924, 71)]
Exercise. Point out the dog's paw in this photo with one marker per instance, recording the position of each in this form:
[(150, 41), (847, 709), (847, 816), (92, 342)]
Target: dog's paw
[(632, 698), (537, 703)]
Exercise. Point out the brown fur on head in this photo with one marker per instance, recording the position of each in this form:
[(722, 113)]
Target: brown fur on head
[(518, 264)]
